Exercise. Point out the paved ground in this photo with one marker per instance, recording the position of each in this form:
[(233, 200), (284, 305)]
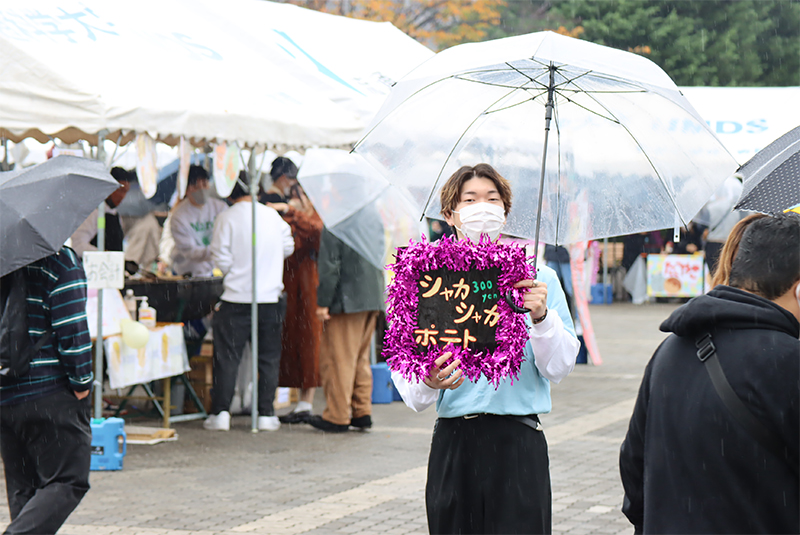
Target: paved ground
[(298, 480)]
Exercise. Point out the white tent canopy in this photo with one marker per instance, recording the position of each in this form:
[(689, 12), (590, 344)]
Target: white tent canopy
[(247, 71)]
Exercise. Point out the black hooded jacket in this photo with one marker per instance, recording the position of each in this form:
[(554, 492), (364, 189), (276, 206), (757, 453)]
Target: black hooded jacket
[(687, 466)]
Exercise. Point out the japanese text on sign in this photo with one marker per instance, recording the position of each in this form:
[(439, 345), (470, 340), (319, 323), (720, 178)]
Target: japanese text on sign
[(457, 307), (675, 275), (104, 269)]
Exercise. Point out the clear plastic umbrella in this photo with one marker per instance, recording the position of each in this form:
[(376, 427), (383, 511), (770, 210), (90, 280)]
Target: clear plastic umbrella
[(357, 204), (629, 153)]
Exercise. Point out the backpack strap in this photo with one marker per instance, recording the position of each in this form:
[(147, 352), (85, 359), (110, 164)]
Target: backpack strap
[(707, 353)]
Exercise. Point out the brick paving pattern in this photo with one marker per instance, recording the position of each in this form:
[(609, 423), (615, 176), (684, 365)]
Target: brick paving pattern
[(298, 480)]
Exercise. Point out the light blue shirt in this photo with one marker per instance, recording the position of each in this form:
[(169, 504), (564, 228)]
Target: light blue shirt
[(530, 394)]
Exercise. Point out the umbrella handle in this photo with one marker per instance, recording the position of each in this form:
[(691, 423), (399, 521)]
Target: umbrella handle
[(515, 307)]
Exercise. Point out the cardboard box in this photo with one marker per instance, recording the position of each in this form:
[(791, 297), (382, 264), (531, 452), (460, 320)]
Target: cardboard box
[(201, 376)]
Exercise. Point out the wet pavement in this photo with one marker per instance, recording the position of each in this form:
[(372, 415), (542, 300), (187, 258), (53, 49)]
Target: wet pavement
[(299, 480)]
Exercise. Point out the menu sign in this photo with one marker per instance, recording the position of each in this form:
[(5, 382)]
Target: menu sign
[(457, 307)]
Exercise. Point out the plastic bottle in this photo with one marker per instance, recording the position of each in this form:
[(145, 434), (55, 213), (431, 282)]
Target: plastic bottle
[(147, 314), (130, 304)]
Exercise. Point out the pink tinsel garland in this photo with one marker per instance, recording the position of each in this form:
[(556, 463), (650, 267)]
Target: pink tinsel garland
[(400, 349)]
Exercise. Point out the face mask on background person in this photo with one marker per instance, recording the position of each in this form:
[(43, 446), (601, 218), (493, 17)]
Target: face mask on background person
[(481, 218), (199, 196)]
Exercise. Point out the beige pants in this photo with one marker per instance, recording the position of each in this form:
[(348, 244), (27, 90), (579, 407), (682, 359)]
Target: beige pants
[(344, 366)]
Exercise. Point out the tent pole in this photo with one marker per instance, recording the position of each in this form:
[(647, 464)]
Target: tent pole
[(547, 117), (252, 172), (101, 246)]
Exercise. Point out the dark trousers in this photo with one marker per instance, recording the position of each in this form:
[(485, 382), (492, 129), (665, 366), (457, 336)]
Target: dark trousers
[(231, 333), (46, 448), (488, 474)]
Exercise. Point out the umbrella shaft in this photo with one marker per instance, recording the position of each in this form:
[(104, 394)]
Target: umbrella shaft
[(548, 116)]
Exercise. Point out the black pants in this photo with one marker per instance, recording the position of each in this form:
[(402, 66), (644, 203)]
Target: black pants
[(46, 448), (488, 474), (231, 333)]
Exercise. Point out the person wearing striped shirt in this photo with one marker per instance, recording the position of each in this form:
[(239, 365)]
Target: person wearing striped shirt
[(45, 434)]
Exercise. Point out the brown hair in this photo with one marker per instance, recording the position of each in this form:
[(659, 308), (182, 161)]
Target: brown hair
[(722, 270), (451, 191)]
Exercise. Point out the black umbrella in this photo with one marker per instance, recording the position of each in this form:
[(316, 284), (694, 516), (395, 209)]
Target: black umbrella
[(772, 176), (41, 206)]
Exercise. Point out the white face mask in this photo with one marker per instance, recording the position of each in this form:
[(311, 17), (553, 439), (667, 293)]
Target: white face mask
[(481, 218)]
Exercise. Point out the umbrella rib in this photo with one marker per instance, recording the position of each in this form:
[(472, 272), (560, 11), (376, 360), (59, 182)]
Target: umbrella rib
[(558, 182), (461, 137), (483, 82), (509, 106), (415, 93), (612, 118), (521, 73)]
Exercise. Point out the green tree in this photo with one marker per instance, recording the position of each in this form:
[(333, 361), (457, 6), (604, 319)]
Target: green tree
[(700, 43)]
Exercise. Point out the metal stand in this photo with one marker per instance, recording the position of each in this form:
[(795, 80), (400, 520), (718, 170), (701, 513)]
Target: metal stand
[(166, 398)]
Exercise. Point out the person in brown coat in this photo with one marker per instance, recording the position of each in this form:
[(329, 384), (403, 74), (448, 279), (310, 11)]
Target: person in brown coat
[(301, 328)]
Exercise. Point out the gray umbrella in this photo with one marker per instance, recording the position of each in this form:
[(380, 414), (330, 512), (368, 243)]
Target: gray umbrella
[(772, 176), (41, 206)]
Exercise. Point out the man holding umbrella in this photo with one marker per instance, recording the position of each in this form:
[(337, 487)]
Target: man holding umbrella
[(488, 470), (45, 348)]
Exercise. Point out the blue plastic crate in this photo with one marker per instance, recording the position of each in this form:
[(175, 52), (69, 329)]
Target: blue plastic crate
[(381, 383), (109, 443), (601, 297)]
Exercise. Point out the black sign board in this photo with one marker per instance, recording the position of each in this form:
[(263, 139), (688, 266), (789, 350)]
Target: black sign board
[(458, 307)]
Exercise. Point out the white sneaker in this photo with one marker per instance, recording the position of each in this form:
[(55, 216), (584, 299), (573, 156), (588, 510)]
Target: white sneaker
[(268, 423), (218, 422)]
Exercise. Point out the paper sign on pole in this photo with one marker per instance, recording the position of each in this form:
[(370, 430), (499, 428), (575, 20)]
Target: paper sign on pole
[(147, 164), (226, 168), (183, 168), (104, 269)]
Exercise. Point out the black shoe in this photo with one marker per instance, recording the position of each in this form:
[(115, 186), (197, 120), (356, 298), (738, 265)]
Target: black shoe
[(324, 425), (300, 417), (362, 422)]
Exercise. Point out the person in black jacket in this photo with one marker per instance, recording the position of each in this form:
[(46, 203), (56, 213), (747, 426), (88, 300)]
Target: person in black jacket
[(687, 464)]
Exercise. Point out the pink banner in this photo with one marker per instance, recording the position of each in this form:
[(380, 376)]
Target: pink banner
[(577, 252)]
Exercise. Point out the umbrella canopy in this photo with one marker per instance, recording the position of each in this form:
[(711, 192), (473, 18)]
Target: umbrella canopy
[(357, 204), (41, 206), (630, 153), (772, 176)]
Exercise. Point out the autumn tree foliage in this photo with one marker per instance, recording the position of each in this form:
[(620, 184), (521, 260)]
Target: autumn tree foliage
[(436, 23)]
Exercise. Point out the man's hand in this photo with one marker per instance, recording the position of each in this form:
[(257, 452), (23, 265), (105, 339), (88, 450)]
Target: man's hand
[(535, 297), (323, 313), (81, 395), (448, 378)]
